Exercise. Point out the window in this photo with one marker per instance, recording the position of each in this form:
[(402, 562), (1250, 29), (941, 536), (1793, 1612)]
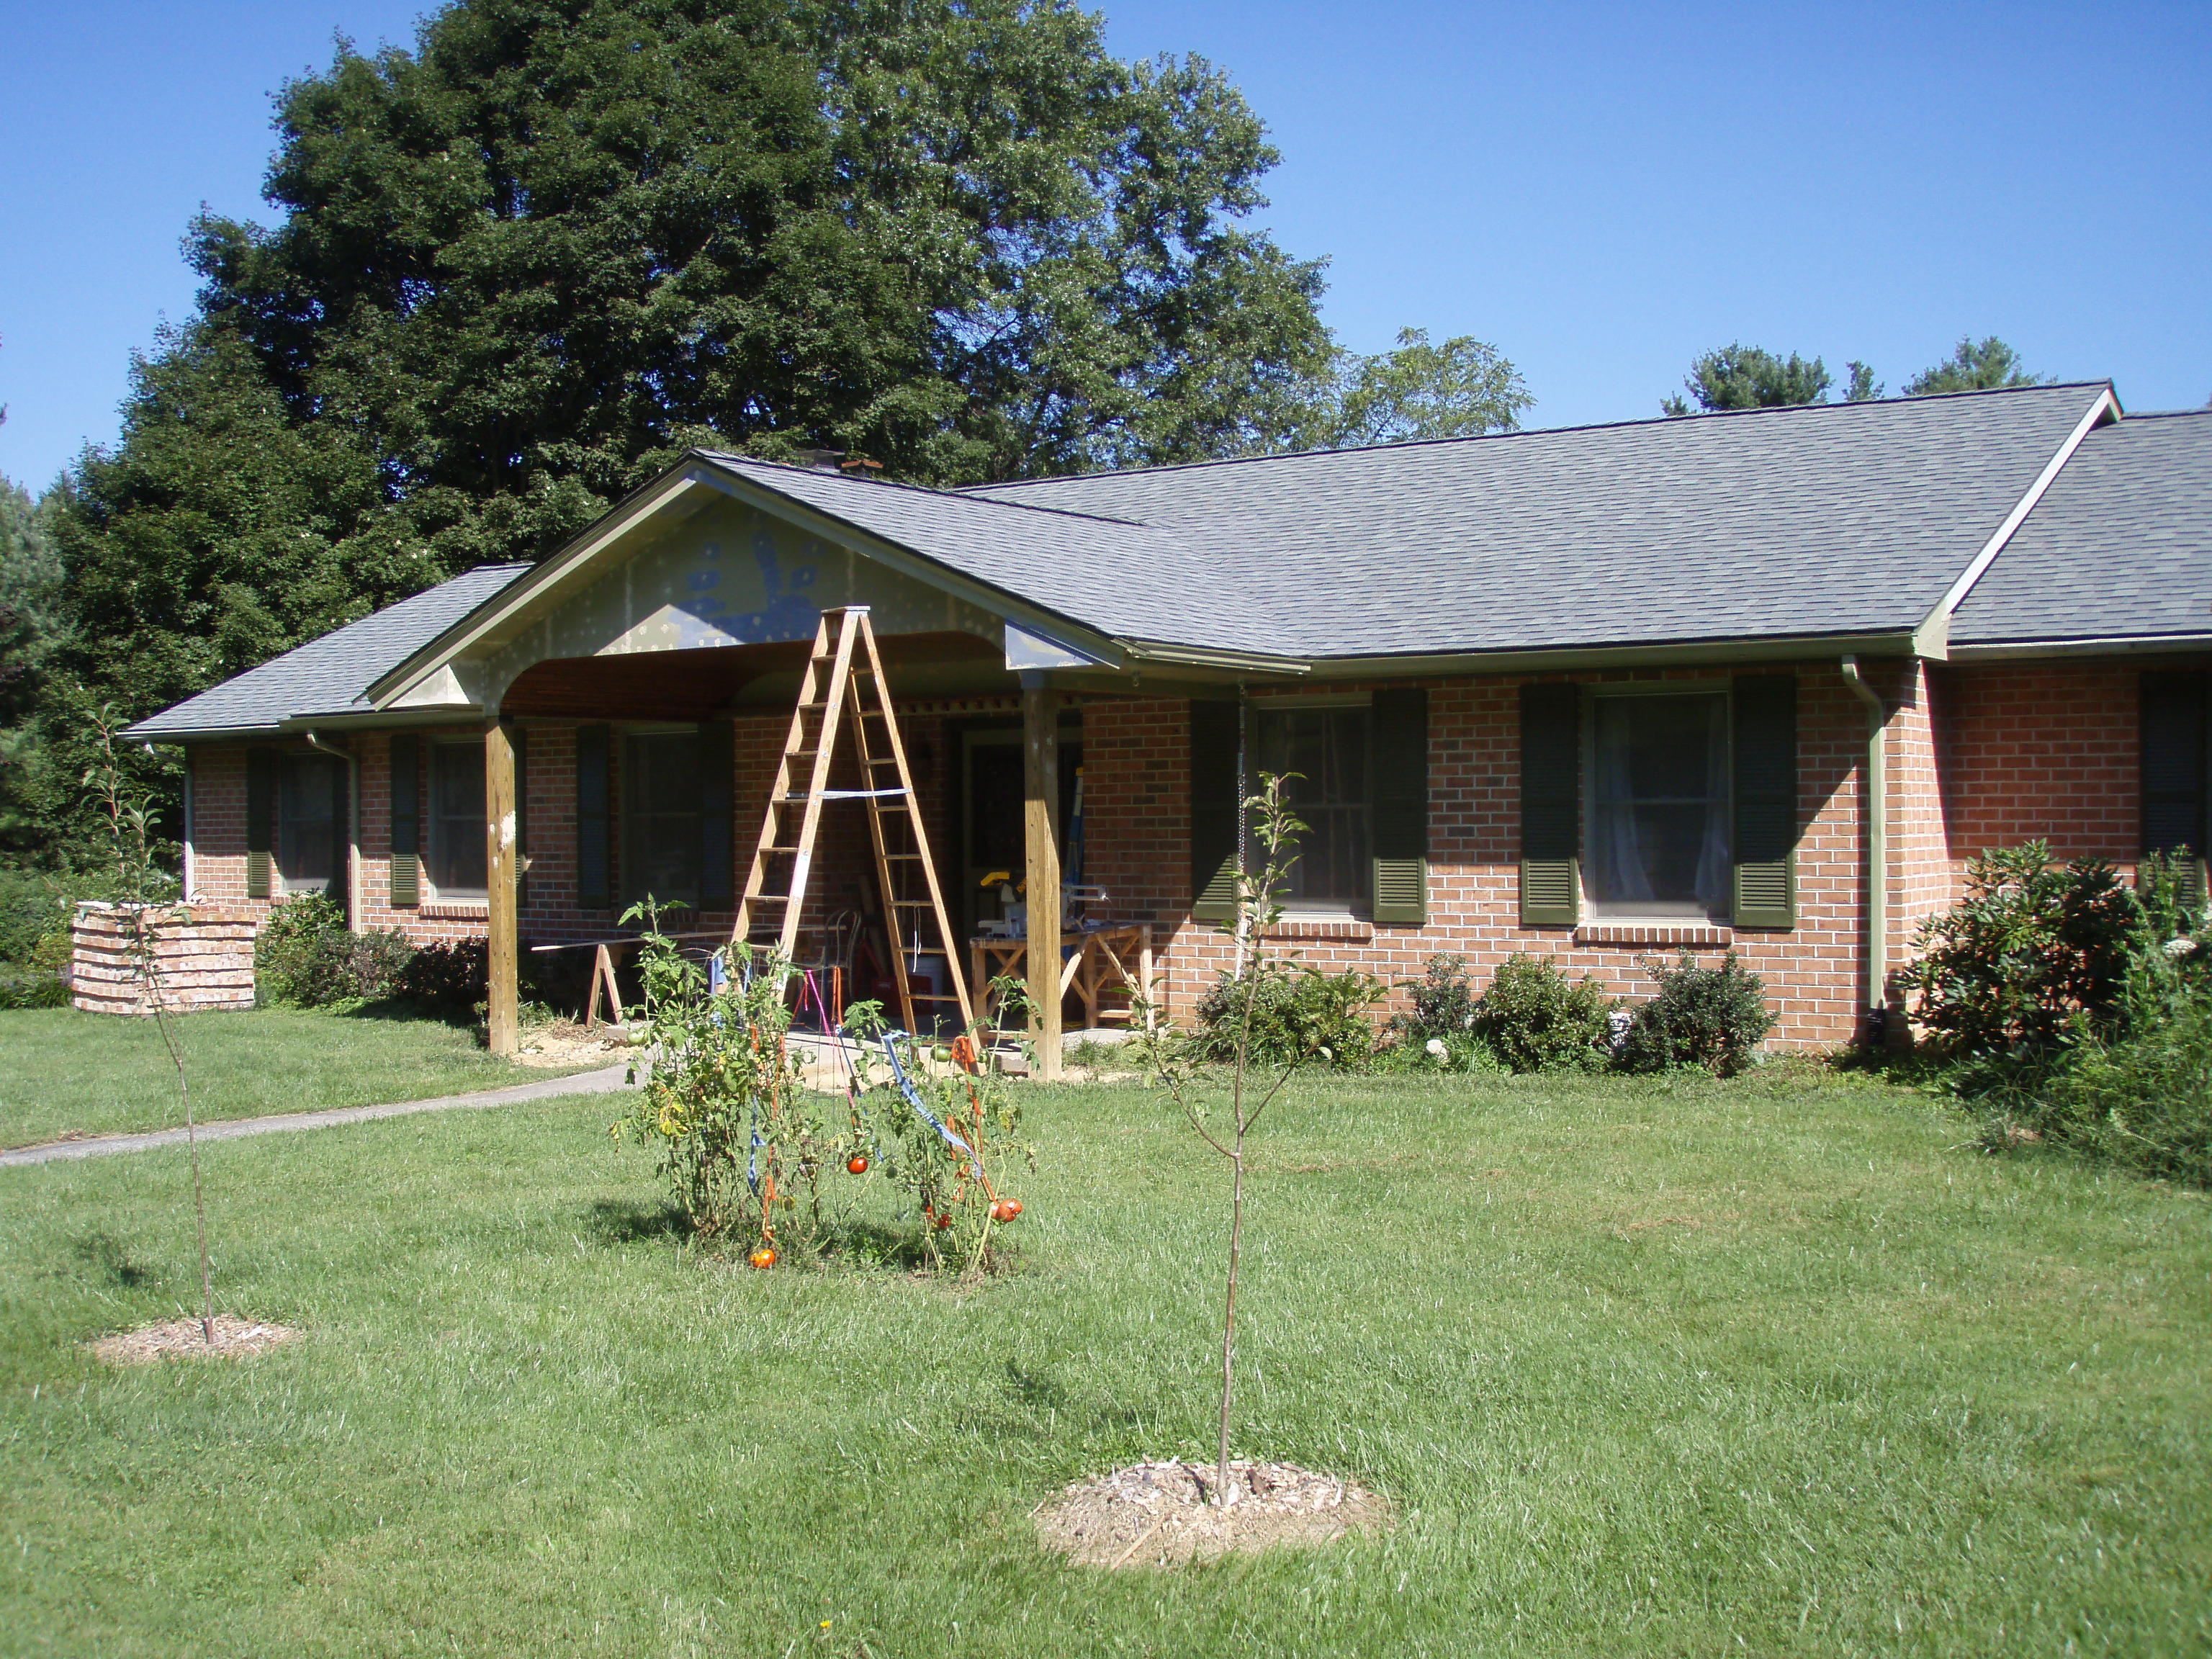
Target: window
[(1327, 747), (456, 861), (662, 835), (311, 838), (1659, 816)]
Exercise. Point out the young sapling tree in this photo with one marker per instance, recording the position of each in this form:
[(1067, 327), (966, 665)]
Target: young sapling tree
[(141, 889), (1172, 1058)]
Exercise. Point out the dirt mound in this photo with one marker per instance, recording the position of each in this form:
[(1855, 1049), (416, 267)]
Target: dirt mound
[(564, 1042), (182, 1339), (1161, 1514)]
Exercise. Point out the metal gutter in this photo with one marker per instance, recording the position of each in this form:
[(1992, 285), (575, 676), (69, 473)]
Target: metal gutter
[(1820, 647), (2117, 645)]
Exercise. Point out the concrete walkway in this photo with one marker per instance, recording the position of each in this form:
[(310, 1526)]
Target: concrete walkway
[(581, 1082)]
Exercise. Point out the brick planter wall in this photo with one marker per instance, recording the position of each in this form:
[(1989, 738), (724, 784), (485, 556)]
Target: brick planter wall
[(202, 959)]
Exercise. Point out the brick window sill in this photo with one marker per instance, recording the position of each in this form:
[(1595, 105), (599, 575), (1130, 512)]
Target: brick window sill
[(453, 909), (1697, 935), (1343, 927)]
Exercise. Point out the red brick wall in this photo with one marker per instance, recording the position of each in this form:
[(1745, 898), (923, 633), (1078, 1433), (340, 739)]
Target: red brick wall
[(2041, 752), (1979, 756), (1812, 971)]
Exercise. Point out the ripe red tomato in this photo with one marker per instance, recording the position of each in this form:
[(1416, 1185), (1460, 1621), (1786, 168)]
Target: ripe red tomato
[(943, 1222), (856, 1165)]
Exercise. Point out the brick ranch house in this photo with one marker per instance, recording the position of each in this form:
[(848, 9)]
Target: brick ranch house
[(1762, 680)]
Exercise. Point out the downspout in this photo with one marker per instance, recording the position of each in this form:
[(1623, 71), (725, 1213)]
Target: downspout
[(1877, 839), (353, 828)]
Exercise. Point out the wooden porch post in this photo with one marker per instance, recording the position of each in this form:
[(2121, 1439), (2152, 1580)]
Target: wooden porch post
[(1040, 840), (504, 1013)]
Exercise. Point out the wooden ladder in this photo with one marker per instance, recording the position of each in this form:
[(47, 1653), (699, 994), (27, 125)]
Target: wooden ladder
[(836, 686)]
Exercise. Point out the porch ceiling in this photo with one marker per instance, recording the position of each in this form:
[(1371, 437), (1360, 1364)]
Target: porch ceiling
[(699, 684)]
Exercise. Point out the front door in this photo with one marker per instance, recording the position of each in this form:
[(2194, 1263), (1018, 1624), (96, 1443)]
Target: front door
[(991, 841)]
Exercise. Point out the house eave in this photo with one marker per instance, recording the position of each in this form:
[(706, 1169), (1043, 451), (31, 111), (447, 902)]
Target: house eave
[(1893, 643), (2111, 645)]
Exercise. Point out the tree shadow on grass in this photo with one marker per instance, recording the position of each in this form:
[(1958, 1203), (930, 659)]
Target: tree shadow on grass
[(628, 1221), (108, 1257)]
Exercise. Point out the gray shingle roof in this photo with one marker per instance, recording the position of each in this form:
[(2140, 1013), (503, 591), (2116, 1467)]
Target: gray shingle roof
[(1832, 520), (1121, 578), (2120, 546), (327, 676), (1835, 518)]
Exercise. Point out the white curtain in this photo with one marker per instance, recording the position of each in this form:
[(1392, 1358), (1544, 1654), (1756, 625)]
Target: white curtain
[(1624, 864)]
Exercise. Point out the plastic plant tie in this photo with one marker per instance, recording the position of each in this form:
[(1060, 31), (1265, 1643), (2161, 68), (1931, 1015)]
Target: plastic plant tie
[(914, 1099)]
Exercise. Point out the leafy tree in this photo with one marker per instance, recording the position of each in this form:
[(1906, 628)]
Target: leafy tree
[(1863, 387), (1460, 389), (1973, 365), (1746, 377), (33, 626)]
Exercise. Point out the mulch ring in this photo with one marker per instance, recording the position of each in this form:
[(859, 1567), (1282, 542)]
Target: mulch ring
[(182, 1339), (1160, 1515)]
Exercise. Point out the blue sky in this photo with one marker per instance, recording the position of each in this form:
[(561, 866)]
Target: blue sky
[(1600, 191)]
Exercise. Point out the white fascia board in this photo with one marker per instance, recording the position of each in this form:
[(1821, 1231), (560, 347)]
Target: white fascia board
[(1009, 608), (547, 580), (1031, 648), (1557, 659), (1933, 637), (1199, 656)]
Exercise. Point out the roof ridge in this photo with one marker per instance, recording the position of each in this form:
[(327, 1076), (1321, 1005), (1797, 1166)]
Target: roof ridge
[(1526, 432), (960, 494)]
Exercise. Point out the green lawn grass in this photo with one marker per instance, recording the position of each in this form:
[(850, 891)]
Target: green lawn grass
[(62, 1070), (1777, 1365)]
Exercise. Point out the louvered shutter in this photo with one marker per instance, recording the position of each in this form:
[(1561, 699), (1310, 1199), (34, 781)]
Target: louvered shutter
[(2174, 767), (260, 823), (593, 891), (1551, 745), (406, 821), (1398, 809), (1766, 889), (1216, 799), (2173, 763), (717, 744)]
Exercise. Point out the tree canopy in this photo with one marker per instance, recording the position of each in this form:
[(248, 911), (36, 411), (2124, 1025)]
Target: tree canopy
[(1973, 366), (1748, 377), (519, 268)]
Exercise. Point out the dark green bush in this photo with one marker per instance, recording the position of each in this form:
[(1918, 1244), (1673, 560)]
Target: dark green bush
[(1714, 1017), (1443, 1004), (2033, 952), (305, 957), (30, 910), (451, 979), (27, 988), (1535, 1018), (1295, 1015)]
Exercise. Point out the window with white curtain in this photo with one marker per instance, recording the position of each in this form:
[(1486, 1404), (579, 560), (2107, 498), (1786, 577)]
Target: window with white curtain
[(1659, 818), (1323, 751)]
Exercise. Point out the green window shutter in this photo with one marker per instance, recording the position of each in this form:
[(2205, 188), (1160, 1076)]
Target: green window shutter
[(1551, 818), (2175, 764), (406, 821), (1765, 758), (1216, 800), (592, 888), (260, 823), (718, 744), (1398, 805)]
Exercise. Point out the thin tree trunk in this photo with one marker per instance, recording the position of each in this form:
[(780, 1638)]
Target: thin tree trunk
[(1229, 1321)]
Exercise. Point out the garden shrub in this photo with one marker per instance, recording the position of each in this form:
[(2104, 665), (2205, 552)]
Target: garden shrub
[(2143, 1102), (2033, 950), (1535, 1018), (305, 957), (1443, 1003), (450, 979), (1295, 1015), (1714, 1017)]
